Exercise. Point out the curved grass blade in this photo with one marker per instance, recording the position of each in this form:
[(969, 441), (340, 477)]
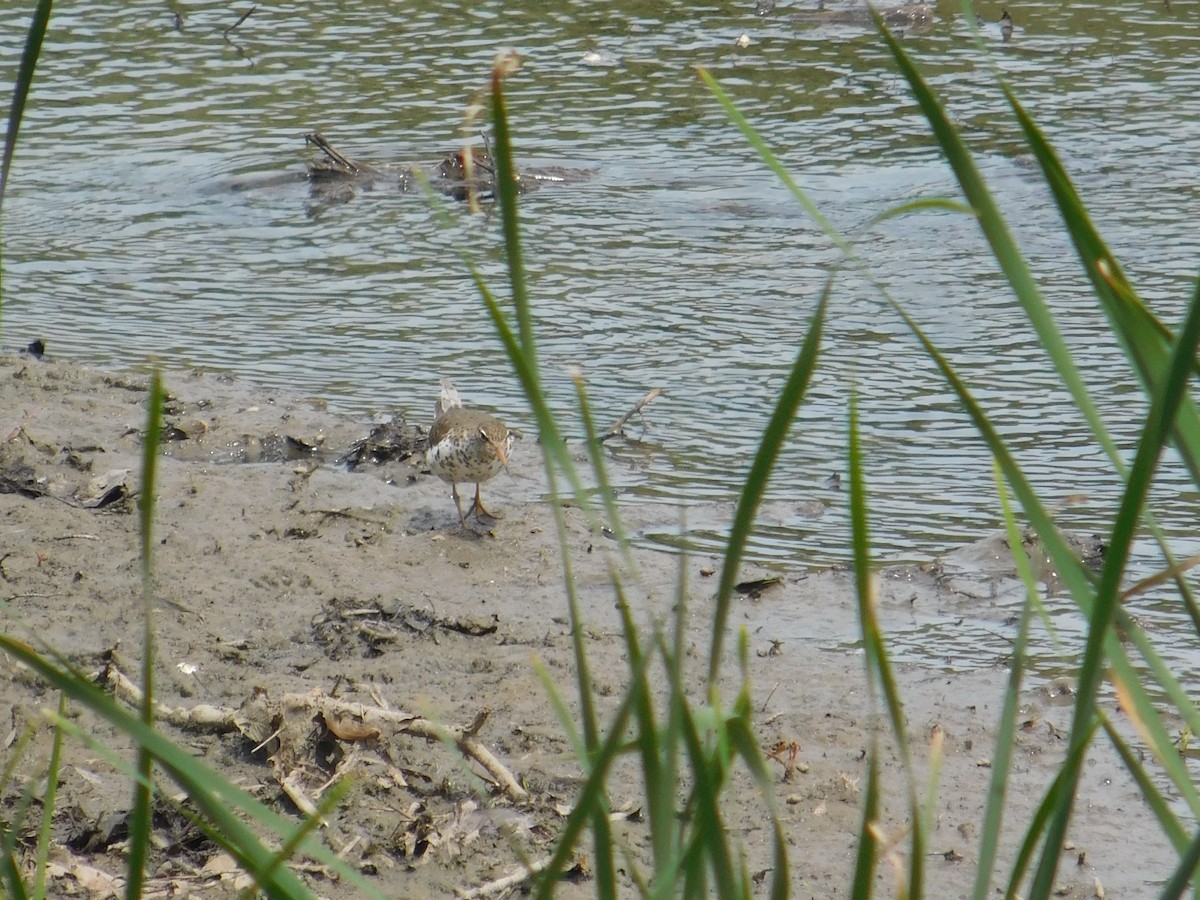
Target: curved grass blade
[(776, 432), (216, 798), (1056, 796), (1160, 423), (993, 816), (879, 668), (868, 845), (139, 817), (1154, 797), (1184, 873), (591, 802), (10, 825), (48, 803), (1003, 246), (29, 59), (1145, 340)]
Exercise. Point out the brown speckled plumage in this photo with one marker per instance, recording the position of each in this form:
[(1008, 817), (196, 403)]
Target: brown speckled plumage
[(466, 445)]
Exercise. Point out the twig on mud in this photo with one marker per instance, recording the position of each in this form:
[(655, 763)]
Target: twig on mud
[(500, 885), (618, 427), (291, 785), (370, 721), (202, 717)]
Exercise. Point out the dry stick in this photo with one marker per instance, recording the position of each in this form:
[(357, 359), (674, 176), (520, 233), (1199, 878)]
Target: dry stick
[(384, 721), (618, 427), (502, 884), (318, 140), (244, 17)]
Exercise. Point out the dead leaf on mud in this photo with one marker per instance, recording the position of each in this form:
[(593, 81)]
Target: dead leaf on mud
[(347, 728), (106, 490)]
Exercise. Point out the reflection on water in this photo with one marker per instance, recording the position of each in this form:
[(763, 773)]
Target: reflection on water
[(681, 263)]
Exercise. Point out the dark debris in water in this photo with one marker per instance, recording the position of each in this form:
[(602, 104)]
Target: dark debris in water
[(464, 174), (390, 442)]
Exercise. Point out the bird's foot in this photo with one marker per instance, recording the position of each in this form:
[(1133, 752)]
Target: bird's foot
[(480, 513)]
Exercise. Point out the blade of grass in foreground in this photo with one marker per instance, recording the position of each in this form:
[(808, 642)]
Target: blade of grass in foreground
[(13, 822), (1145, 340), (29, 59), (790, 398), (1001, 241), (879, 669), (1146, 343), (139, 817), (868, 846), (1014, 268), (993, 815), (755, 487), (1164, 411), (48, 804), (216, 798)]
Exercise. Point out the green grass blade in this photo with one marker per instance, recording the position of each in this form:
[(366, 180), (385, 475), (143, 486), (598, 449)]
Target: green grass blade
[(790, 398), (10, 876), (140, 815), (29, 59), (708, 850), (1164, 411), (774, 164), (1055, 797), (591, 804), (296, 840), (217, 799), (1144, 339), (10, 829), (1154, 797), (744, 743), (1005, 249), (507, 192), (560, 709), (10, 825), (868, 846), (993, 816), (1189, 862), (878, 665), (48, 804)]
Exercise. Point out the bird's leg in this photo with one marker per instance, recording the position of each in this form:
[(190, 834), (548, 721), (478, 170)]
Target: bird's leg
[(477, 506), (462, 520)]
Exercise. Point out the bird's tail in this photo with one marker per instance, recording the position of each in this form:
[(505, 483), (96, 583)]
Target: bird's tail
[(449, 398)]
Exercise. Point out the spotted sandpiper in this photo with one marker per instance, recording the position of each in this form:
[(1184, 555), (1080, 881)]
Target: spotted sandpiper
[(466, 445)]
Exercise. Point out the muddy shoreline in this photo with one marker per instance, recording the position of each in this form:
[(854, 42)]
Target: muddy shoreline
[(278, 572)]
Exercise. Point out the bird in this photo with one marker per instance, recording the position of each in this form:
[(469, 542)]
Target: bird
[(466, 445), (1006, 26)]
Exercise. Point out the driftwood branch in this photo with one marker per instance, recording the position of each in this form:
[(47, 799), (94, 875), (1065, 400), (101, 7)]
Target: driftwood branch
[(618, 427), (335, 161), (368, 722), (242, 19)]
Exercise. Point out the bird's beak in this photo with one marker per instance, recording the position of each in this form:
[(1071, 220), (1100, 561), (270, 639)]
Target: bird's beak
[(498, 446)]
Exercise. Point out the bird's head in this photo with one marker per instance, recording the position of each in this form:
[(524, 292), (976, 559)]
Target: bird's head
[(499, 445)]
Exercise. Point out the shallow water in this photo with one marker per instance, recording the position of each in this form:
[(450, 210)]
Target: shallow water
[(681, 263)]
